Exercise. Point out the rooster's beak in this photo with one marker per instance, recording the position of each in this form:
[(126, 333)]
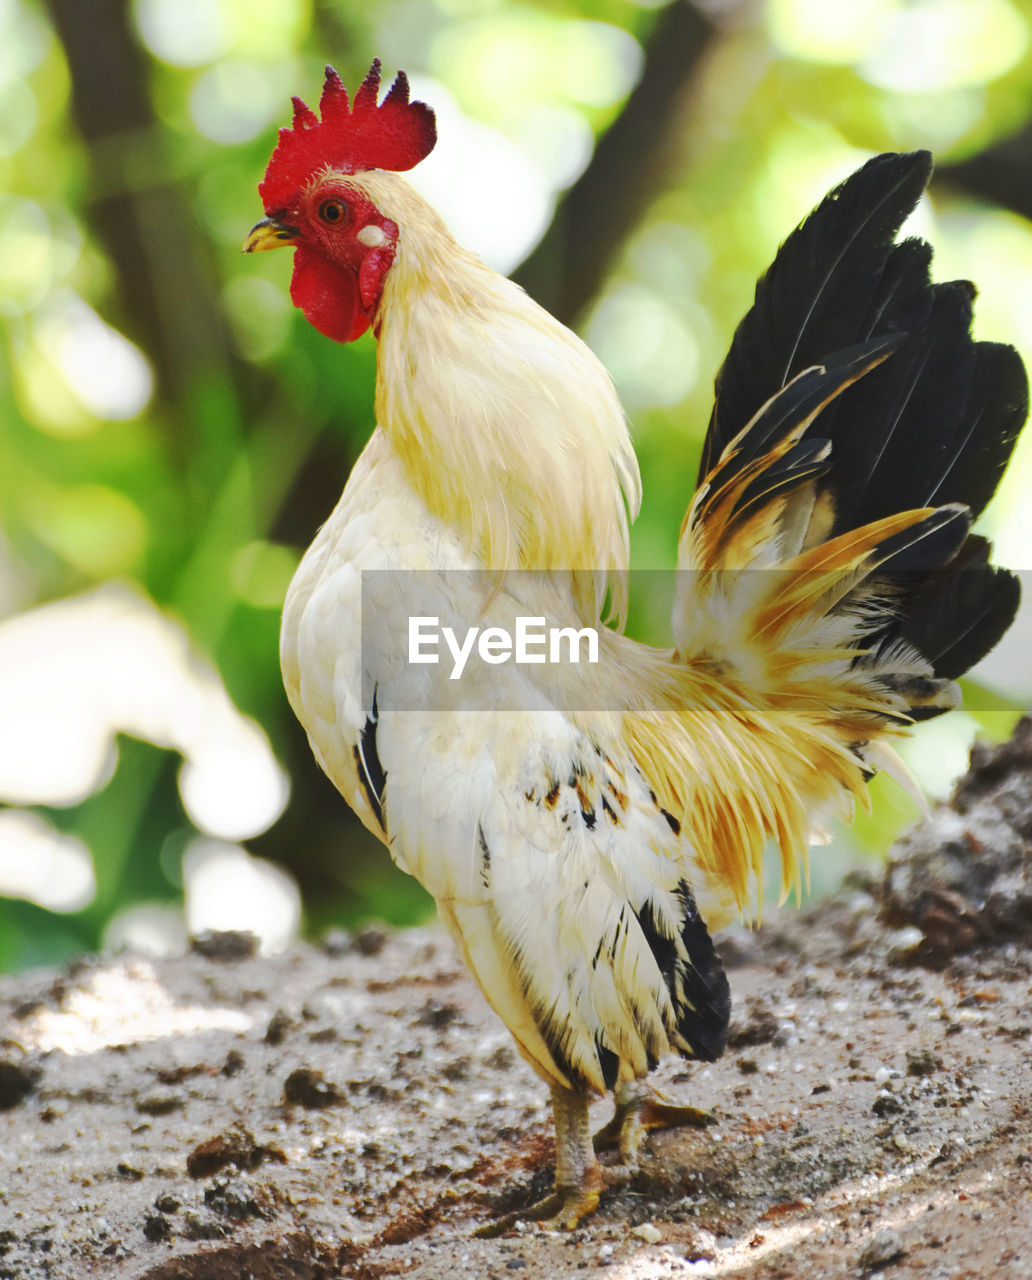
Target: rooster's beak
[(269, 234)]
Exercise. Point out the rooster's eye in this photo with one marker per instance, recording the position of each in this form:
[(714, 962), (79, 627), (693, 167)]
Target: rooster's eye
[(332, 211)]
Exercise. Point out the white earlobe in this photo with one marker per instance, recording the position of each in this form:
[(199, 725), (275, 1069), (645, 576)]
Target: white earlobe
[(372, 236)]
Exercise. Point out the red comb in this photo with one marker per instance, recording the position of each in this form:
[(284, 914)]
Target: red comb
[(397, 134)]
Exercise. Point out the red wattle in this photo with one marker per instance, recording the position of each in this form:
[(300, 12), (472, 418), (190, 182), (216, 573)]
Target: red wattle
[(329, 296)]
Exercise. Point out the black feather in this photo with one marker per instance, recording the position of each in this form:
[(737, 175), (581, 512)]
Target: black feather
[(798, 318), (933, 425), (789, 409), (890, 440), (698, 986), (608, 1062), (983, 606), (983, 442), (370, 769), (804, 461), (956, 616), (901, 300), (924, 546), (809, 389)]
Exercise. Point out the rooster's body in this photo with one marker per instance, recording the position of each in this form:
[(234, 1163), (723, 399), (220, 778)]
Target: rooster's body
[(583, 827)]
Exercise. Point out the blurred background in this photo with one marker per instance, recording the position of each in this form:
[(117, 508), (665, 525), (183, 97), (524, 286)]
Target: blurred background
[(172, 432)]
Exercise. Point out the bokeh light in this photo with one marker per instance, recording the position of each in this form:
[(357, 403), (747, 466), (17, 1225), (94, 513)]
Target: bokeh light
[(43, 865), (228, 889), (77, 673)]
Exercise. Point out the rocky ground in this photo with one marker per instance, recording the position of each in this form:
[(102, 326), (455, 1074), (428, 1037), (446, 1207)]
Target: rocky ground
[(356, 1111)]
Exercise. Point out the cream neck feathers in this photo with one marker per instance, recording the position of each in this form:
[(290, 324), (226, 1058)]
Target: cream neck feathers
[(508, 427)]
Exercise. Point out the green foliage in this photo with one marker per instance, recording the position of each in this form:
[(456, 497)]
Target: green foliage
[(198, 461)]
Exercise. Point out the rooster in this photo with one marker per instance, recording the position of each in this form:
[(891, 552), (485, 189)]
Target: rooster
[(584, 827)]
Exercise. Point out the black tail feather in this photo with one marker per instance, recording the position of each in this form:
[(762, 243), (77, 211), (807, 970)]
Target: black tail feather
[(925, 546), (982, 445), (798, 318), (804, 461), (932, 425), (809, 389), (954, 617), (901, 299), (891, 439)]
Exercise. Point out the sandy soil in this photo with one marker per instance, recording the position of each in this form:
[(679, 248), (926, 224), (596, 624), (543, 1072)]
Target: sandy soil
[(356, 1111)]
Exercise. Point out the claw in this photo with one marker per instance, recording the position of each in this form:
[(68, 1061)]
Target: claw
[(639, 1111), (560, 1211)]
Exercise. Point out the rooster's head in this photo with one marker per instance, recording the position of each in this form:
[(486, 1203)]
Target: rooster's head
[(343, 244)]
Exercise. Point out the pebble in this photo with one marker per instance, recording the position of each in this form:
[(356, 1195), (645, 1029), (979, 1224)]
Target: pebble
[(232, 1197), (648, 1232), (199, 1226), (311, 1089), (886, 1104), (156, 1227), (904, 939), (16, 1083), (280, 1026), (226, 944), (923, 1062), (881, 1249), (159, 1103)]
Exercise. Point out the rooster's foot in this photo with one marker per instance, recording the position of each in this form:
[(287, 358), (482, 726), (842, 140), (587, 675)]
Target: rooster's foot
[(560, 1211), (579, 1180), (638, 1111)]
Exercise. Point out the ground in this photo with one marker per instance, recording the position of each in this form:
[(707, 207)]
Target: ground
[(355, 1110)]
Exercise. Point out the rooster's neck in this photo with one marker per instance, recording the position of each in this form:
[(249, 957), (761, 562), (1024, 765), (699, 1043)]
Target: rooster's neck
[(507, 425)]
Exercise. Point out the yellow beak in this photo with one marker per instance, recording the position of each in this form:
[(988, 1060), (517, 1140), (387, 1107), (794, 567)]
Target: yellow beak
[(269, 234)]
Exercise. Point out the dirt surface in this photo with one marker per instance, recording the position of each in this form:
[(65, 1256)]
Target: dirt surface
[(356, 1111)]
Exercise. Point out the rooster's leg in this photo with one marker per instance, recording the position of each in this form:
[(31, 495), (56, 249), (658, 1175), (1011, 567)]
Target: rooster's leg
[(638, 1110), (578, 1178)]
